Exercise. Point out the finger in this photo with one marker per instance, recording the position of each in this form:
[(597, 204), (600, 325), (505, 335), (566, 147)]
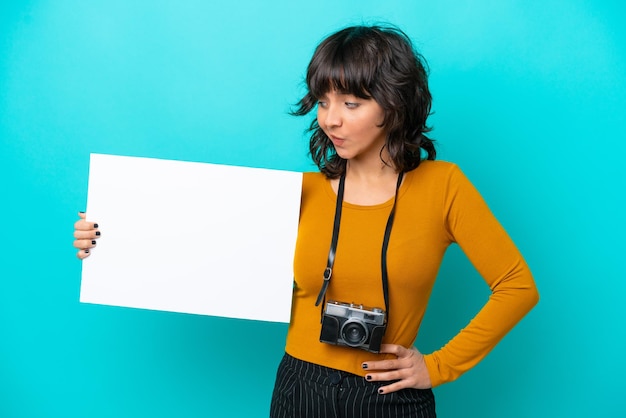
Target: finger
[(398, 350), (90, 234), (391, 375), (389, 365), (406, 379), (394, 387), (84, 225), (83, 244), (82, 254), (381, 365)]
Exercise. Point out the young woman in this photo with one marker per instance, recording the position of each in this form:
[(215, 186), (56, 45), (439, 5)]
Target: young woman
[(374, 225)]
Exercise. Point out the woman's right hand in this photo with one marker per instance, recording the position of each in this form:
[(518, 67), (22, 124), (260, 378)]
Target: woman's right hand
[(86, 234)]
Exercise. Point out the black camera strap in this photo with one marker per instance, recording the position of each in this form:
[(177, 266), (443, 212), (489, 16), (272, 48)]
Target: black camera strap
[(328, 272)]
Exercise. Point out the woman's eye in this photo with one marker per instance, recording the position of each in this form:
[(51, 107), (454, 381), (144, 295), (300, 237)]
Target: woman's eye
[(352, 105), (321, 103)]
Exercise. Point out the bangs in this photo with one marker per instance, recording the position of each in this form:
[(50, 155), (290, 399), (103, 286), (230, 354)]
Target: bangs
[(341, 66)]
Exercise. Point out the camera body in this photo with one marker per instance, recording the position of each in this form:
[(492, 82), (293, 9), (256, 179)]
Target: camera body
[(353, 325)]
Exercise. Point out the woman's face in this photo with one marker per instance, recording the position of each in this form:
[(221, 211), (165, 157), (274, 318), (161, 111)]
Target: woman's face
[(352, 124)]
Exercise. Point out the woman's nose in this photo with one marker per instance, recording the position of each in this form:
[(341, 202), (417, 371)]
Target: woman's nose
[(332, 117)]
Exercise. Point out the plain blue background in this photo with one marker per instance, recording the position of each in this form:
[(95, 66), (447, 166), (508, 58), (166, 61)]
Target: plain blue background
[(529, 100)]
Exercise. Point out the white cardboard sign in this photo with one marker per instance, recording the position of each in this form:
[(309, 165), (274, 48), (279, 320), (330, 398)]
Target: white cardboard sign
[(192, 237)]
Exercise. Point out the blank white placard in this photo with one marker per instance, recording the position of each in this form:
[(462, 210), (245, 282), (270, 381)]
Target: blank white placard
[(190, 237)]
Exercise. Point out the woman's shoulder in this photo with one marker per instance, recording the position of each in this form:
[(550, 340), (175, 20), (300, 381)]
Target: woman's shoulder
[(436, 168), (313, 176), (437, 177), (313, 181)]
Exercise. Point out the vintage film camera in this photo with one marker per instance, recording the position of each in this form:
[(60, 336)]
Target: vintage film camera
[(353, 325)]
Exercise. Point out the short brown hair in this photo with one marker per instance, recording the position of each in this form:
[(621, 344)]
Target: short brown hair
[(372, 62)]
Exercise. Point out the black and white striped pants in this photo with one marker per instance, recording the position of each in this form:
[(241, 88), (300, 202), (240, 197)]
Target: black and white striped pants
[(306, 390)]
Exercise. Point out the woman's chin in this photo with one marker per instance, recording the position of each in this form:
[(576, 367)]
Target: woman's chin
[(344, 154)]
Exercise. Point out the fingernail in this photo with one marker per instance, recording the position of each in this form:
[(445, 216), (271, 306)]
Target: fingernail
[(380, 391), (93, 242), (81, 211), (86, 251), (364, 366), (368, 377), (95, 225), (97, 233)]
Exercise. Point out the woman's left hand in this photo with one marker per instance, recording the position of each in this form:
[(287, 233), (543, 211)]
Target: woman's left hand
[(407, 371)]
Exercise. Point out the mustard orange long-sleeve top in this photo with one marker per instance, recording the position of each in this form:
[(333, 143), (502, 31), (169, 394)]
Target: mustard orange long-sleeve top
[(436, 206)]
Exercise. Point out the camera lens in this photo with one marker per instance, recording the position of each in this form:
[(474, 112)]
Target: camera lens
[(354, 333)]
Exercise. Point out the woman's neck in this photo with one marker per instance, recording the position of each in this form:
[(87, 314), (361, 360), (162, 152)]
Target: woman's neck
[(370, 174), (371, 168), (368, 184)]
